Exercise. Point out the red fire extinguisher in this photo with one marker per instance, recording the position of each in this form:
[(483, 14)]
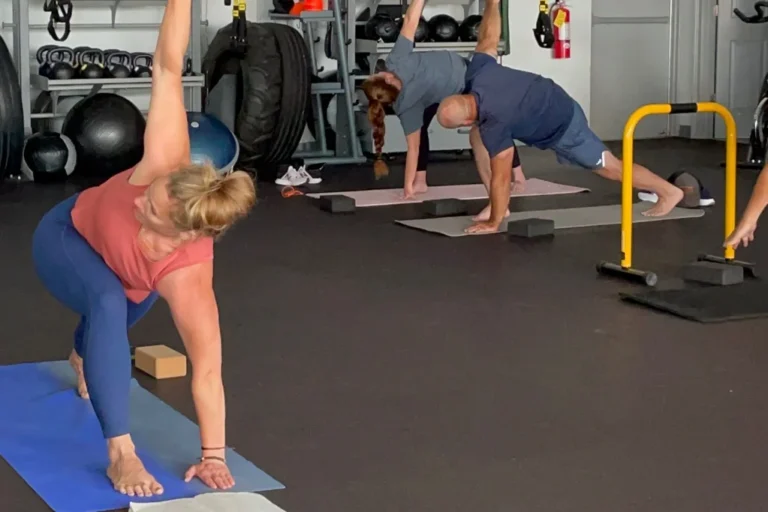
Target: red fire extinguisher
[(561, 16)]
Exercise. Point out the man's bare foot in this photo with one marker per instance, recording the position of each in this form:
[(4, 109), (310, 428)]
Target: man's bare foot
[(129, 476), (77, 364), (485, 215), (518, 180), (667, 201)]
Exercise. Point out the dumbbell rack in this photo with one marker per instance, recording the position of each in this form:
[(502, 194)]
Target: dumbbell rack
[(348, 149), (81, 87), (375, 49)]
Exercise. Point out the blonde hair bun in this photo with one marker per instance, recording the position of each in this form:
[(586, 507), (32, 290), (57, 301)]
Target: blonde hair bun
[(207, 202)]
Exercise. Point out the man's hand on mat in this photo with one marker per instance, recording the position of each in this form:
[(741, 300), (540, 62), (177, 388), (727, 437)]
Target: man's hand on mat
[(214, 473), (742, 235), (482, 227)]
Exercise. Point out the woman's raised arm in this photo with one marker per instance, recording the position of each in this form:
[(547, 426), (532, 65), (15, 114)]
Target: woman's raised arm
[(166, 139)]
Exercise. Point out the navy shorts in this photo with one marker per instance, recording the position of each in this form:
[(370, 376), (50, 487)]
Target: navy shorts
[(579, 145)]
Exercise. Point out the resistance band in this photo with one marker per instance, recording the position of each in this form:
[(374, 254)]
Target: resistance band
[(61, 12)]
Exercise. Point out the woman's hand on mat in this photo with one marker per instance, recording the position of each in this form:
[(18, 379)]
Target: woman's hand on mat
[(482, 227), (408, 192), (214, 473), (742, 235)]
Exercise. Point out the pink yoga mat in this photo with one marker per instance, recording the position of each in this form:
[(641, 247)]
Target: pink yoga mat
[(390, 196)]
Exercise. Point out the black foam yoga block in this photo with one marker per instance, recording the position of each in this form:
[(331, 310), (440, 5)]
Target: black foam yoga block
[(531, 228), (721, 274), (336, 203), (444, 207)]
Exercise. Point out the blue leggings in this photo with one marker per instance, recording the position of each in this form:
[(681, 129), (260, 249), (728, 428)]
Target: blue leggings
[(78, 277)]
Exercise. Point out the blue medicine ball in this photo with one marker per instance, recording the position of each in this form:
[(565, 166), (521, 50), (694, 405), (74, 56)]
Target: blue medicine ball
[(211, 141)]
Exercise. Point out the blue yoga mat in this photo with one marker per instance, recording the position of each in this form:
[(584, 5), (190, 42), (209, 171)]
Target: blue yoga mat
[(52, 438)]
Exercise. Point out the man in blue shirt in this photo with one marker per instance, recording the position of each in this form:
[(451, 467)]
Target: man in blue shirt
[(503, 105)]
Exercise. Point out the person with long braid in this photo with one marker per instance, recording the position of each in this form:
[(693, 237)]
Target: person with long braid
[(413, 85), (109, 252)]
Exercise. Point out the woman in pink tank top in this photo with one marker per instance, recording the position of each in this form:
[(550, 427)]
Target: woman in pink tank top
[(110, 251)]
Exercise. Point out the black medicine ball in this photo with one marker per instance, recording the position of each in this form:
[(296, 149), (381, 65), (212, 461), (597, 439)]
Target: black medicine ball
[(469, 29), (443, 29), (108, 133), (382, 27), (48, 157)]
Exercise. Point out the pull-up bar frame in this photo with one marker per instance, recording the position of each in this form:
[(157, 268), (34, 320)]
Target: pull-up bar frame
[(624, 269)]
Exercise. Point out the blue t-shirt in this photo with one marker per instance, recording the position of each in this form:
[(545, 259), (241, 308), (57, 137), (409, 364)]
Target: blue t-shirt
[(514, 104)]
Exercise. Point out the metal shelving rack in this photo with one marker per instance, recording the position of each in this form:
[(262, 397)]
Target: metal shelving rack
[(375, 49), (77, 87), (348, 149)]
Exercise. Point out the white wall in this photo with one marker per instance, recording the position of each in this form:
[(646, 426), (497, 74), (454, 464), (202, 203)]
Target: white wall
[(572, 74), (631, 65), (694, 79)]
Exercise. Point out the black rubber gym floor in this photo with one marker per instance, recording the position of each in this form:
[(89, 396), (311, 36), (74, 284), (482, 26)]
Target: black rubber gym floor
[(373, 368)]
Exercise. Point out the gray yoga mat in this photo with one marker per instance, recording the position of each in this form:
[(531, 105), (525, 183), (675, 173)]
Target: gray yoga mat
[(564, 219)]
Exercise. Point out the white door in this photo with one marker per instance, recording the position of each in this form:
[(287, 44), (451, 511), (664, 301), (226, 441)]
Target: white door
[(742, 61), (630, 65)]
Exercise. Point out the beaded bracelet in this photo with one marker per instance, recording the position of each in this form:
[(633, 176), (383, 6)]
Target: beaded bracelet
[(212, 457)]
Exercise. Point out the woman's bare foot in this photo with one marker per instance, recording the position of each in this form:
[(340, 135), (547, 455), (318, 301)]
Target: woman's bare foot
[(485, 215), (127, 472), (667, 201), (77, 364)]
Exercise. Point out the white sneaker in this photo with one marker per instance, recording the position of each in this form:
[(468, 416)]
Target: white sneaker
[(291, 178), (310, 179)]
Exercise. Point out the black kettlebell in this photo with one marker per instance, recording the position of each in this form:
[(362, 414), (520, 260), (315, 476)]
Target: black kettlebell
[(78, 51), (91, 64), (119, 64), (60, 64), (142, 65), (109, 52), (42, 58)]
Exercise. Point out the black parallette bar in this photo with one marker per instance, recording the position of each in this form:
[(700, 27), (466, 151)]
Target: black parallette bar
[(684, 108)]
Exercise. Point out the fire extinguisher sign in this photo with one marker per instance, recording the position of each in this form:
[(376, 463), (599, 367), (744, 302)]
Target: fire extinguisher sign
[(560, 23), (562, 30)]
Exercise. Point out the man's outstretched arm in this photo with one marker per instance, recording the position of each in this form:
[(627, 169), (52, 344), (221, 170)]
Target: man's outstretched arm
[(490, 30)]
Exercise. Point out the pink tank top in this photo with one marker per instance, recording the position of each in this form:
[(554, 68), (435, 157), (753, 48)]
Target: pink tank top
[(105, 217)]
